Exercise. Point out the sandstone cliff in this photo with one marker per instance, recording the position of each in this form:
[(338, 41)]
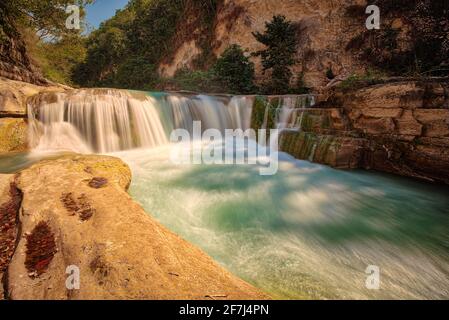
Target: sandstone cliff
[(75, 211), (400, 127), (323, 33)]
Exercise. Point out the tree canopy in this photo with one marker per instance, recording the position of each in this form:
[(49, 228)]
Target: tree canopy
[(235, 70), (280, 40)]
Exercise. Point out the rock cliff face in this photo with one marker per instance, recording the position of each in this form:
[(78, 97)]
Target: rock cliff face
[(400, 127), (15, 63), (323, 33), (88, 220)]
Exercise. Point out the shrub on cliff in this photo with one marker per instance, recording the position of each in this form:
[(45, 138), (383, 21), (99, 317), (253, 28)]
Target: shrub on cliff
[(413, 38), (280, 40), (189, 80), (136, 73), (235, 70)]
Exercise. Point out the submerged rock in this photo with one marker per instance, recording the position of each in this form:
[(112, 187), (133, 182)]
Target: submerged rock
[(120, 251)]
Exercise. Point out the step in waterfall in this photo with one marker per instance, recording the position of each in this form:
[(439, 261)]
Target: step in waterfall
[(109, 120)]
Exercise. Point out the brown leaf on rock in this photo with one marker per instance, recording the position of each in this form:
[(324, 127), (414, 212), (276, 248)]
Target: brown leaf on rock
[(40, 249)]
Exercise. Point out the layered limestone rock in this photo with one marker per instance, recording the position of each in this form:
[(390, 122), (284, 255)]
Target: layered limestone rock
[(398, 127), (76, 213), (13, 112), (14, 96)]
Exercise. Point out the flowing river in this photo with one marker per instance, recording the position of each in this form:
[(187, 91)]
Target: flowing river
[(307, 232)]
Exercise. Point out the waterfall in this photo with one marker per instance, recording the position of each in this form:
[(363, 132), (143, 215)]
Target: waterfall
[(108, 120), (287, 113)]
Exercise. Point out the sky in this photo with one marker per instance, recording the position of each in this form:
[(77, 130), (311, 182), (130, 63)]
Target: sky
[(102, 10)]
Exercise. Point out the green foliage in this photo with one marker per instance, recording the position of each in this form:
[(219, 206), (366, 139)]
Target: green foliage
[(135, 72), (147, 31), (357, 81), (46, 17), (280, 39), (36, 30), (188, 80), (151, 30), (59, 59), (235, 70), (107, 49)]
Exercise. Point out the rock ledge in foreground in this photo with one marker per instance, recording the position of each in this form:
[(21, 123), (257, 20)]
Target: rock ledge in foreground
[(121, 252)]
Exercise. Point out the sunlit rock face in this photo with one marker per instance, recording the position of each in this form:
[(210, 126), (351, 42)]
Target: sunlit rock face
[(13, 112), (323, 32), (120, 251), (400, 127)]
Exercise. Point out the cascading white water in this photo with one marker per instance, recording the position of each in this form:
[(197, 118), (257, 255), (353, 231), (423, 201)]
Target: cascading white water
[(287, 113), (307, 232), (87, 121)]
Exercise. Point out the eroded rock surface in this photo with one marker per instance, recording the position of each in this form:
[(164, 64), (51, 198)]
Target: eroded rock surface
[(13, 112), (121, 252), (13, 135), (400, 127)]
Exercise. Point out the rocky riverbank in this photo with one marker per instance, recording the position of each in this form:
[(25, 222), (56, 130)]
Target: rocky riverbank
[(76, 212), (400, 127)]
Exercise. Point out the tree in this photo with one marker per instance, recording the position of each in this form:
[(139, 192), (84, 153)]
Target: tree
[(280, 39), (136, 73), (34, 34), (235, 70), (59, 59), (47, 17)]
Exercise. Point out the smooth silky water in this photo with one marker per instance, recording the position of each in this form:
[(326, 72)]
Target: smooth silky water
[(308, 231)]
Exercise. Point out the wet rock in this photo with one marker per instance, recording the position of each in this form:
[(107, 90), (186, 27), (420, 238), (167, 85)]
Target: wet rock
[(407, 125), (375, 126)]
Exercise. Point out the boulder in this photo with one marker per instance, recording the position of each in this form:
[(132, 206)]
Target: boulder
[(14, 95), (120, 251)]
